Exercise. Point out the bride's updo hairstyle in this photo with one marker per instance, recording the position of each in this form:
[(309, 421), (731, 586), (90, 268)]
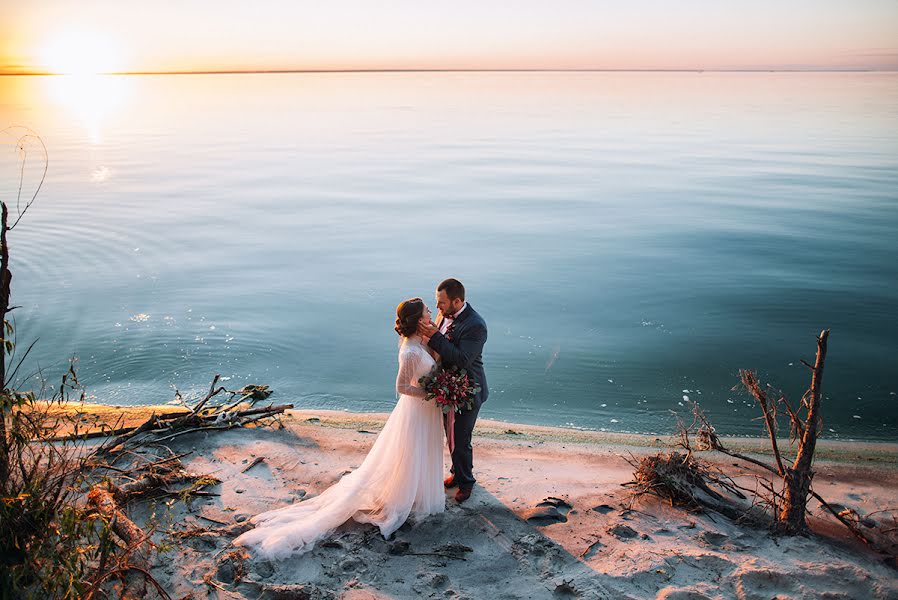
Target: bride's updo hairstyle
[(407, 315)]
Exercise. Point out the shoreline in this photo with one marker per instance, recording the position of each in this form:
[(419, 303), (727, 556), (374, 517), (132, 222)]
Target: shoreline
[(835, 451), (601, 542)]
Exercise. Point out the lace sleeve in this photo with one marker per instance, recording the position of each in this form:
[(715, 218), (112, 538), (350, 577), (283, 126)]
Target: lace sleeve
[(406, 380)]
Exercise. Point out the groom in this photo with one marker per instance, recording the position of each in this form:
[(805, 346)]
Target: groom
[(458, 337)]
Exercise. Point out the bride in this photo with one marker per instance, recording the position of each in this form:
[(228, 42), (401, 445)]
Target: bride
[(401, 475)]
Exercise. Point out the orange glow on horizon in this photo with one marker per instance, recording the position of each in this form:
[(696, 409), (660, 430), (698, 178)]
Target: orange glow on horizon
[(100, 36)]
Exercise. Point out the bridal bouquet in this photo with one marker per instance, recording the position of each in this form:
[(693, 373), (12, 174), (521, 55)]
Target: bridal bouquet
[(451, 389)]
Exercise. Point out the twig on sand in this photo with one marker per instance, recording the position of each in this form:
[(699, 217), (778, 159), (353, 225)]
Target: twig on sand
[(256, 461)]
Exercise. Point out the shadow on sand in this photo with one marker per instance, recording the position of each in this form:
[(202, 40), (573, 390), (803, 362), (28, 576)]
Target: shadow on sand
[(479, 549)]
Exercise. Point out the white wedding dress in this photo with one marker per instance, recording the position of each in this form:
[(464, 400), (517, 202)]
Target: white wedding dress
[(401, 475)]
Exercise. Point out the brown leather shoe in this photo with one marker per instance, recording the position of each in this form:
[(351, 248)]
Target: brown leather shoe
[(449, 482), (461, 495)]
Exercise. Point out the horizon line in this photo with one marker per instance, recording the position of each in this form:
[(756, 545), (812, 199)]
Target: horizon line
[(461, 70)]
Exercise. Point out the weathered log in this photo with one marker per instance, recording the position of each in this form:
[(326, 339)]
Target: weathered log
[(274, 409), (72, 437), (152, 482), (135, 583)]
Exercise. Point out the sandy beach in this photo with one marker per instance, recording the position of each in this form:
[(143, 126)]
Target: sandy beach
[(606, 544)]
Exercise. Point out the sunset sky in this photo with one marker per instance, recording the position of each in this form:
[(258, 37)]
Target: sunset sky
[(104, 35)]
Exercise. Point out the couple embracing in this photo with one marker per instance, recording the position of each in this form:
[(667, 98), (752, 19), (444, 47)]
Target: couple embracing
[(403, 472)]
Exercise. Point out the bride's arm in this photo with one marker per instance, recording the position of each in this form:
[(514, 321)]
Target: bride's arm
[(408, 363), (469, 347)]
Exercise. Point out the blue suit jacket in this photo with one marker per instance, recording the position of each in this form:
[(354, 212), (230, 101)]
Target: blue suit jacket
[(464, 348)]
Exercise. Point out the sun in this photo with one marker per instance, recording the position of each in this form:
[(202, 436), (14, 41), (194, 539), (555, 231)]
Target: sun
[(81, 53)]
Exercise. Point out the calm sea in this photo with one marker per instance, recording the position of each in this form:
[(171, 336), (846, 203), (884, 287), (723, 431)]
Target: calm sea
[(632, 239)]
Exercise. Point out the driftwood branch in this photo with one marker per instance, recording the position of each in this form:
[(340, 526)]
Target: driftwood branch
[(789, 503), (238, 419), (152, 423), (750, 381), (796, 429), (746, 458), (798, 477), (212, 392), (204, 416)]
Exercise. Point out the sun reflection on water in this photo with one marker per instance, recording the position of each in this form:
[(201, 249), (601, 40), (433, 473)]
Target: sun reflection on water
[(92, 100)]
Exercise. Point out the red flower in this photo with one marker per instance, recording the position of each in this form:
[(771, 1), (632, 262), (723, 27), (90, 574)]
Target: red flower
[(450, 388)]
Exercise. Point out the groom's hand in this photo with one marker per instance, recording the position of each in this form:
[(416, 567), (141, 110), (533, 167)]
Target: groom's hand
[(426, 330)]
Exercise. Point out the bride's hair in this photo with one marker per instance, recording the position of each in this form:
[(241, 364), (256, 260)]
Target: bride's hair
[(407, 315)]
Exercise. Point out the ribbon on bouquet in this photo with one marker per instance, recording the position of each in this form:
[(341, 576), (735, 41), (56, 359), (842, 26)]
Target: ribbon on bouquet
[(450, 429)]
